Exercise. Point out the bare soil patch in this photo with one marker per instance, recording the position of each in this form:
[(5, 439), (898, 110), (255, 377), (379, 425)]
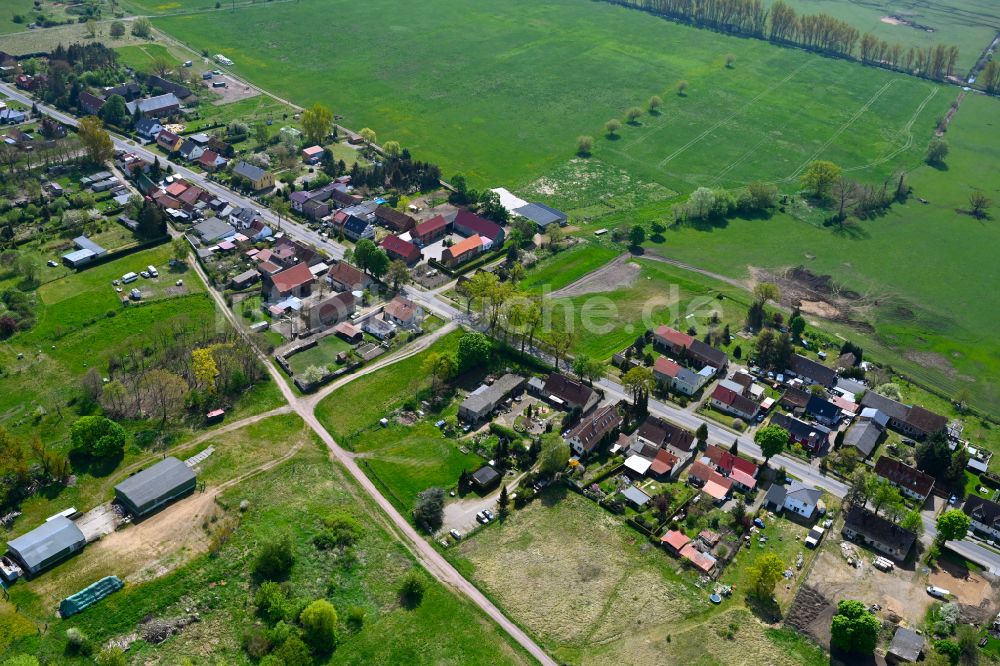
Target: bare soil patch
[(617, 274), (970, 588), (818, 295), (234, 91)]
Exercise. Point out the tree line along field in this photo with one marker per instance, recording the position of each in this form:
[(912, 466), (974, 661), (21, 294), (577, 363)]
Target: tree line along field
[(291, 499), (462, 85), (970, 24)]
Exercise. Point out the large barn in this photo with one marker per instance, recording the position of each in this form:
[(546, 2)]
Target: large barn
[(156, 486), (47, 544)]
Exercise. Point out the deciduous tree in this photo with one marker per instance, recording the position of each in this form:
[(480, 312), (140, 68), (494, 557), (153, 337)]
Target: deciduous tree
[(95, 139), (854, 629), (952, 525), (764, 574), (772, 440), (820, 177)]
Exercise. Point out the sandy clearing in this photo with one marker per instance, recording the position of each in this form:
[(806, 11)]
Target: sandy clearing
[(617, 274)]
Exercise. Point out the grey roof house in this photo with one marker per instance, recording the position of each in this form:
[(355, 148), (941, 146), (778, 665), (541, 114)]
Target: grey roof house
[(156, 486), (481, 402), (864, 436), (906, 646), (159, 106), (50, 542)]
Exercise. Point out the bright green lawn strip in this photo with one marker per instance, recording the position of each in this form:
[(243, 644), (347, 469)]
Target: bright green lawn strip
[(567, 267), (323, 354)]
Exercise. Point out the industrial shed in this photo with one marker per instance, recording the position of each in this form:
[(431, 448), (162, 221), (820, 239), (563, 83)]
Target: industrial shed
[(156, 486), (51, 542)]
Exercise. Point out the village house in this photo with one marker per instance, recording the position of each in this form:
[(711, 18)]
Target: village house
[(333, 309), (729, 401), (594, 431), (811, 372), (798, 498), (403, 312), (357, 228), (911, 482), (463, 251), (295, 281), (823, 410), (380, 328), (864, 435), (810, 436), (470, 224), (155, 107), (430, 231), (665, 466), (257, 177), (742, 472), (911, 421), (984, 515), (569, 394), (169, 141), (345, 277), (712, 483), (676, 377), (312, 154), (404, 251), (89, 103), (689, 348), (657, 433), (155, 83), (886, 537), (398, 223), (482, 402), (190, 150), (211, 161)]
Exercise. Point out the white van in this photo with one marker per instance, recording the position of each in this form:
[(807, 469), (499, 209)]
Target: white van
[(129, 277), (152, 271)]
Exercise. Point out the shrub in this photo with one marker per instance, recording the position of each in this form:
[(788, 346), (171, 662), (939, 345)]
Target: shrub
[(355, 618), (411, 592), (275, 559), (341, 530), (319, 624), (113, 656), (256, 642), (503, 431), (293, 652), (78, 643), (271, 601)]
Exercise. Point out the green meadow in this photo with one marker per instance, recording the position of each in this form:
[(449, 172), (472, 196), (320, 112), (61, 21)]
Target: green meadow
[(291, 499), (461, 84)]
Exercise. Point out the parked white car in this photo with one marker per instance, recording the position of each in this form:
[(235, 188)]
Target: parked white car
[(938, 592)]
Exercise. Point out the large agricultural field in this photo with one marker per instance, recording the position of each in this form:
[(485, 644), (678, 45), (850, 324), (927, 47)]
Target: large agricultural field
[(460, 85)]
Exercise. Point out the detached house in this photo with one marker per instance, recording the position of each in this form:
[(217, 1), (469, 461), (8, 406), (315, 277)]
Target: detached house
[(89, 103), (812, 372), (911, 481), (912, 421), (984, 514), (403, 312), (404, 251), (884, 536), (295, 281), (810, 436), (823, 411), (257, 177), (169, 141), (594, 431), (345, 277), (463, 251), (656, 433), (569, 394), (148, 128), (729, 401), (741, 471), (678, 378), (798, 498)]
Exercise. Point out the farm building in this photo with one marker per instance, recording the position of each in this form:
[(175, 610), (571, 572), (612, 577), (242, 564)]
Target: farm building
[(482, 401), (152, 488), (87, 250), (47, 544)]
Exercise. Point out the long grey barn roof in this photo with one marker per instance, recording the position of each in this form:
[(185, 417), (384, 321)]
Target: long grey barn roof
[(153, 483), (46, 540)]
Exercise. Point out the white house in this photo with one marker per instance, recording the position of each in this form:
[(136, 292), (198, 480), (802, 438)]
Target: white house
[(984, 515), (798, 498)]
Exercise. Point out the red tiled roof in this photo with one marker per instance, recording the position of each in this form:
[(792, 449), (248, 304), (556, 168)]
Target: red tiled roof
[(674, 337), (177, 188), (902, 474), (698, 559), (401, 308), (430, 226), (401, 248), (727, 462), (473, 242), (675, 539), (744, 479), (663, 463), (346, 274), (733, 399), (478, 225), (291, 278), (665, 366)]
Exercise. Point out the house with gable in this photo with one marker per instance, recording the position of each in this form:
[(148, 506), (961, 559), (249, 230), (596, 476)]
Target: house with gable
[(594, 431), (911, 481), (797, 498)]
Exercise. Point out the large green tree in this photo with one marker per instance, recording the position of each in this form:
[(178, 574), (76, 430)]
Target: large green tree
[(952, 525), (772, 440), (98, 437), (554, 455), (854, 629), (473, 351), (317, 123), (820, 177)]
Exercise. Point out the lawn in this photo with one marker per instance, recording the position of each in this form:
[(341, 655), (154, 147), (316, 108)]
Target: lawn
[(502, 120), (140, 56), (323, 354), (609, 319), (362, 402), (564, 557), (290, 499)]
